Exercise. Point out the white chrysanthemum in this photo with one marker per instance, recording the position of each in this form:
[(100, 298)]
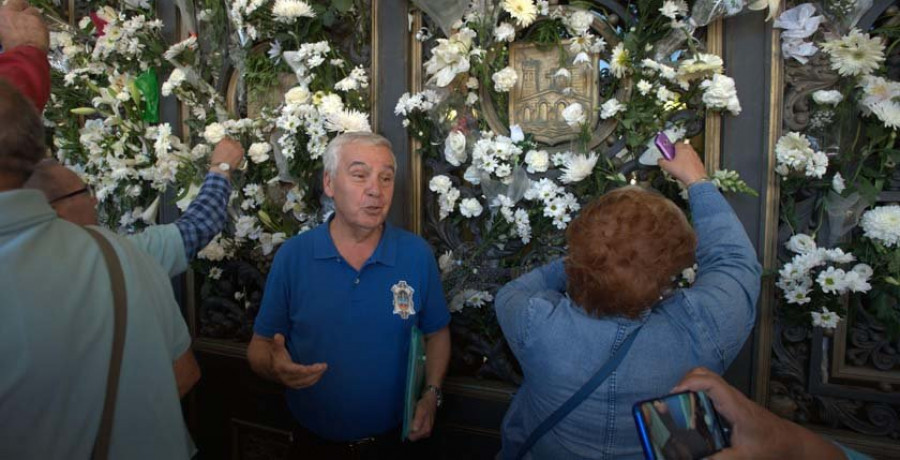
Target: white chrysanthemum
[(455, 148), (831, 280), (817, 165), (214, 251), (619, 61), (673, 9), (505, 79), (346, 121), (801, 243), (829, 97), (574, 115), (882, 224), (878, 89), (644, 87), (888, 112), (826, 319), (702, 65), (287, 11), (720, 93), (214, 133), (523, 11), (793, 152), (505, 32), (537, 161), (215, 273), (578, 167), (610, 108), (470, 207), (855, 53), (798, 295), (837, 183)]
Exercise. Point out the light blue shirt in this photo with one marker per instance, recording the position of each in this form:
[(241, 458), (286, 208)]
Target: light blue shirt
[(56, 324), (560, 347)]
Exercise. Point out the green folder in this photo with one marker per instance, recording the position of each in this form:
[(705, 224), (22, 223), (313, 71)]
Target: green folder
[(415, 378)]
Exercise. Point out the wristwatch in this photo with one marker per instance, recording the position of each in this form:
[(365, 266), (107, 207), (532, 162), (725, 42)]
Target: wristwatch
[(437, 393), (223, 166)]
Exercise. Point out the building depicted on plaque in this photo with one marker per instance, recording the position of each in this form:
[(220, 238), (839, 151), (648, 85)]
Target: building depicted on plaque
[(545, 89)]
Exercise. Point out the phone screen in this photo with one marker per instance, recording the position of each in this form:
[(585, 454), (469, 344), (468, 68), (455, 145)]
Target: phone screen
[(679, 426)]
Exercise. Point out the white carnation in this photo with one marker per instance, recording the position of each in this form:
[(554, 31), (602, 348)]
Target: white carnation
[(505, 32), (610, 108), (455, 148), (470, 207), (882, 224), (259, 152), (505, 79), (829, 97), (214, 133), (574, 115)]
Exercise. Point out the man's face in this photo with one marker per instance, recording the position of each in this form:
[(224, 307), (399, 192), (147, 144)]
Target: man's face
[(363, 186)]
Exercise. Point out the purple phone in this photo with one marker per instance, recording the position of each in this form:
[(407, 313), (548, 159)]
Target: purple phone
[(665, 146)]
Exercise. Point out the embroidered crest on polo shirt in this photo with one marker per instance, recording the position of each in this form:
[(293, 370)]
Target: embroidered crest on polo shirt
[(403, 299)]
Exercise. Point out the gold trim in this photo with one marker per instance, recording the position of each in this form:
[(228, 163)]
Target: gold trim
[(712, 148), (71, 12), (765, 327), (373, 69), (415, 160)]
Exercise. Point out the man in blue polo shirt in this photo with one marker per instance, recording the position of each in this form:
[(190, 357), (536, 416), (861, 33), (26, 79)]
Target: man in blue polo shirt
[(335, 320)]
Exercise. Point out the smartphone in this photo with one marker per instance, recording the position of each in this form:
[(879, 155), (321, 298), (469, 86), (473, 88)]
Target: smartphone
[(680, 426), (665, 146)]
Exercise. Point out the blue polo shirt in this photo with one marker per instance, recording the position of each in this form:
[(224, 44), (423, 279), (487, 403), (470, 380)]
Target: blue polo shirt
[(330, 312)]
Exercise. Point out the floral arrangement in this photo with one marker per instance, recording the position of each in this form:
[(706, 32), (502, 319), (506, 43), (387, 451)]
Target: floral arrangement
[(293, 90), (501, 198), (834, 170)]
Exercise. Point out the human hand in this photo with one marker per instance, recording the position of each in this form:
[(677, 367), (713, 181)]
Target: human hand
[(686, 166), (289, 373), (228, 151), (755, 432), (21, 24), (423, 421)]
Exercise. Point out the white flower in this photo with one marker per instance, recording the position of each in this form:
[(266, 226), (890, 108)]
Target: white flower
[(470, 207), (176, 78), (798, 295), (215, 273), (856, 283), (574, 115), (855, 54), (837, 183), (175, 50), (440, 184), (346, 121), (523, 11), (578, 167), (839, 256), (214, 133), (619, 61), (246, 227), (664, 95), (581, 58), (537, 161), (720, 93), (799, 23), (579, 22), (610, 108), (801, 243), (330, 103), (830, 97), (450, 57), (447, 202), (268, 241), (673, 9), (516, 134), (214, 251), (793, 151), (831, 280), (455, 148), (644, 87), (882, 224), (505, 79), (817, 165), (259, 152), (888, 112), (505, 32), (287, 11), (863, 270), (826, 319)]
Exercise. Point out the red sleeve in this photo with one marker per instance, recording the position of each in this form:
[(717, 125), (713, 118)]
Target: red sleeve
[(27, 68)]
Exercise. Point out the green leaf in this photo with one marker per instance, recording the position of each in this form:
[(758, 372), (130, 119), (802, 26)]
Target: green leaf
[(342, 6)]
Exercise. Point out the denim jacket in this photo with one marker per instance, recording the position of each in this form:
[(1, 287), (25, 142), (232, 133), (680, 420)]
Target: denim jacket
[(560, 346)]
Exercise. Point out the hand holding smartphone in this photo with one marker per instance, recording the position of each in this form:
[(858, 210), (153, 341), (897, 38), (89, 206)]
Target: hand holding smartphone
[(679, 426), (665, 146)]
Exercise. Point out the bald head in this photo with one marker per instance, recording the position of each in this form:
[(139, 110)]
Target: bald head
[(21, 137), (65, 191)]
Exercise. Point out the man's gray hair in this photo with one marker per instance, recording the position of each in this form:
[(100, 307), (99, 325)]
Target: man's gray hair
[(330, 158), (21, 132)]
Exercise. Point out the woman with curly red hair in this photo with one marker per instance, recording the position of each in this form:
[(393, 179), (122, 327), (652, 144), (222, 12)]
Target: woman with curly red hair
[(614, 290)]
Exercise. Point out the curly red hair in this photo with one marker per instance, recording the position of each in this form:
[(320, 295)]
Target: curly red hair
[(624, 249)]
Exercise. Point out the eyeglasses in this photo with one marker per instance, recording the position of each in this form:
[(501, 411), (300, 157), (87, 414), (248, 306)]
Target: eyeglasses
[(86, 189)]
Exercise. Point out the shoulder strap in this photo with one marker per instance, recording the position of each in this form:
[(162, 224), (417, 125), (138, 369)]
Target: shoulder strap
[(117, 279), (579, 395)]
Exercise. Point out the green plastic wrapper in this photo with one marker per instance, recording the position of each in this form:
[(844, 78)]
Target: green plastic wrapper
[(148, 85)]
